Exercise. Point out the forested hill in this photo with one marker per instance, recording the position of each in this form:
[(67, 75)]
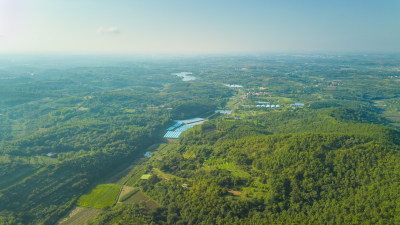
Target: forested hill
[(304, 139), (63, 132), (340, 170)]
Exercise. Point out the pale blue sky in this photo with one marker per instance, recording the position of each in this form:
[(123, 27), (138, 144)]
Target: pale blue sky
[(206, 26)]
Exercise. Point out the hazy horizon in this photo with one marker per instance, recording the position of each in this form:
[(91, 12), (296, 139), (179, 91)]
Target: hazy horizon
[(198, 27)]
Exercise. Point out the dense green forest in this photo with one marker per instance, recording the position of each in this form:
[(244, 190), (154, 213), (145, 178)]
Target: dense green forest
[(69, 128), (239, 174)]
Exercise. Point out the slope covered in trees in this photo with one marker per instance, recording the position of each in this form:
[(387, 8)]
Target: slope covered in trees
[(65, 129), (239, 173)]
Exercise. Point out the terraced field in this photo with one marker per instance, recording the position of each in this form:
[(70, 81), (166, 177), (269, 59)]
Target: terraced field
[(79, 215)]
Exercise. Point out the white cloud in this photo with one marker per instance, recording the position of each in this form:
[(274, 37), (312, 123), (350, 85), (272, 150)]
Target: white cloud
[(108, 30)]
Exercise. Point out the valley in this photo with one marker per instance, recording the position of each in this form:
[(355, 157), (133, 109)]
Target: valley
[(291, 139)]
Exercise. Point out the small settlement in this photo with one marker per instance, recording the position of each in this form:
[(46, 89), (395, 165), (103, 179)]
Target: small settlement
[(181, 126)]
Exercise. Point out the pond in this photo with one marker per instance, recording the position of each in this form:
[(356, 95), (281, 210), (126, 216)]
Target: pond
[(185, 76)]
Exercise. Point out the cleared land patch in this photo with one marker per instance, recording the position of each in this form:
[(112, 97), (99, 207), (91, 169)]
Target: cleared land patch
[(236, 193), (126, 193), (103, 195), (151, 204), (79, 215), (145, 176), (235, 170), (165, 176), (139, 197)]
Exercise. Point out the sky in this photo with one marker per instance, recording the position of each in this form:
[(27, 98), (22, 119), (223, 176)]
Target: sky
[(201, 26)]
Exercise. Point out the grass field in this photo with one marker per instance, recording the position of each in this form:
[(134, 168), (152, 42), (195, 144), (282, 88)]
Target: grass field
[(145, 176), (103, 195), (235, 170)]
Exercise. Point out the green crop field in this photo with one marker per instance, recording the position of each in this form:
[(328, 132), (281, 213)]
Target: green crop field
[(145, 176), (103, 195)]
